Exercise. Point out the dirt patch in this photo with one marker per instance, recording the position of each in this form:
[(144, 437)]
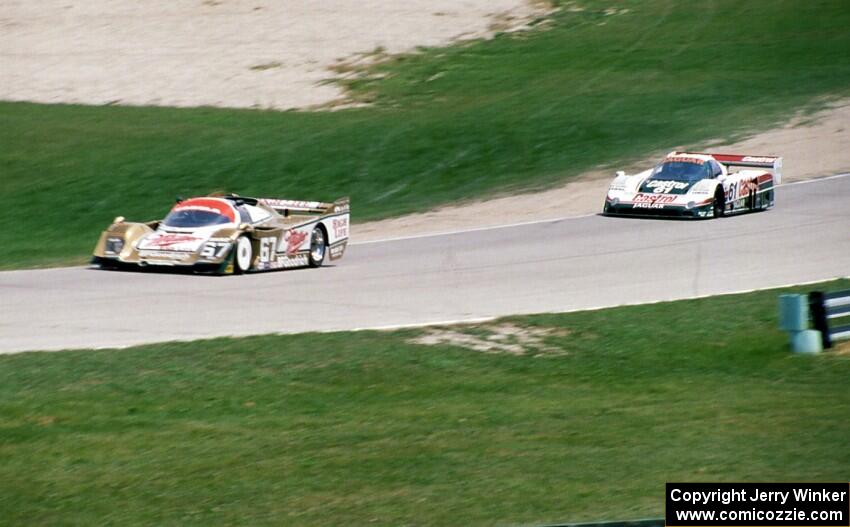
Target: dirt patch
[(840, 348), (495, 338), (811, 145), (234, 53)]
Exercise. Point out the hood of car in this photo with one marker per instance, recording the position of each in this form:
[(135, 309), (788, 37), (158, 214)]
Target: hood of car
[(164, 240)]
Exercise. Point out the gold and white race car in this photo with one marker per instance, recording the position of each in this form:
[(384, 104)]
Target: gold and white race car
[(230, 234)]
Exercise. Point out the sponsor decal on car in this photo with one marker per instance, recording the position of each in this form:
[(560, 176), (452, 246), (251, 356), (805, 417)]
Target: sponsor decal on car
[(292, 204), (685, 159), (293, 240), (171, 242), (654, 198), (158, 256), (284, 262), (665, 186), (340, 227), (741, 189), (337, 250), (167, 240), (652, 201)]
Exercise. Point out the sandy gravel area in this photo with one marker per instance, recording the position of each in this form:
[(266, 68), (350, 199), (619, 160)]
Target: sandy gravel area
[(236, 53), (811, 146)]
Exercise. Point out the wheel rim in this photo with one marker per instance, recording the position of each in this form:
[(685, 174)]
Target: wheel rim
[(243, 253), (317, 245)]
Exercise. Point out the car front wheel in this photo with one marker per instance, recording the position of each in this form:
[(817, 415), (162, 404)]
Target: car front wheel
[(719, 203), (318, 246), (244, 255)]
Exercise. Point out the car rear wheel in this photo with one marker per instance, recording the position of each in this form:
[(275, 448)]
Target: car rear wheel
[(244, 255), (719, 203), (318, 246)]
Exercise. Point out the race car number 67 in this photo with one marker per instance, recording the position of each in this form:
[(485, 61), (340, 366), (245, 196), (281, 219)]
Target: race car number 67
[(267, 249), (214, 249)]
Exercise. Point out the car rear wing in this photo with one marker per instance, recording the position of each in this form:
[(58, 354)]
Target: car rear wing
[(288, 206), (773, 163)]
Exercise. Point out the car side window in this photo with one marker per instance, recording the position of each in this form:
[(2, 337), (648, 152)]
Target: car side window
[(716, 169), (244, 215)]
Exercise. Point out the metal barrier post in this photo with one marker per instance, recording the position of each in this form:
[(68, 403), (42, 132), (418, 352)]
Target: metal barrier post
[(794, 318), (819, 318)]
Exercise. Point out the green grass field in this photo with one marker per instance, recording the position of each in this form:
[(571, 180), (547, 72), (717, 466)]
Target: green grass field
[(518, 112), (368, 428)]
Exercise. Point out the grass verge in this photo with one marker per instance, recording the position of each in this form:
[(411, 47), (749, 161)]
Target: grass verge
[(370, 428), (600, 85)]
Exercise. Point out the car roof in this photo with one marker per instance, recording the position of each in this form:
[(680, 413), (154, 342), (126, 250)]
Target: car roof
[(687, 157), (217, 205)]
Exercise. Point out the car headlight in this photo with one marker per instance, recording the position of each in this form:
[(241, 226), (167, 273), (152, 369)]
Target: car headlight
[(690, 205), (114, 245)]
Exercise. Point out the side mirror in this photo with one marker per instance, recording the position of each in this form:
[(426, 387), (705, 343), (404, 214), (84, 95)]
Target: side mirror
[(118, 219), (179, 199), (245, 227), (620, 173)]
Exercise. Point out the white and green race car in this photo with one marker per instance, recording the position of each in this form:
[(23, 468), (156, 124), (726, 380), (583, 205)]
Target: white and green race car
[(697, 185)]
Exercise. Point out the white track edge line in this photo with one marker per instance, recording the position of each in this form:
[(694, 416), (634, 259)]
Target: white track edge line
[(415, 325), (814, 180), (462, 321)]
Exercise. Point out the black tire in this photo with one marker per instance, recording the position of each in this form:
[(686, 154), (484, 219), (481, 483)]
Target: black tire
[(243, 255), (318, 247), (719, 203), (105, 264)]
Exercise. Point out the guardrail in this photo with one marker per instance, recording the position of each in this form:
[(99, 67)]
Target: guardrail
[(831, 315)]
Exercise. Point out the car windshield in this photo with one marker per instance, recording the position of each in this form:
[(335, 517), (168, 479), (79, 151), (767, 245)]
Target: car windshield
[(190, 217), (680, 171)]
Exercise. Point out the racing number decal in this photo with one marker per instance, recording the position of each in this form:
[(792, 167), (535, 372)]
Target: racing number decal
[(214, 250), (267, 249), (731, 192), (740, 189)]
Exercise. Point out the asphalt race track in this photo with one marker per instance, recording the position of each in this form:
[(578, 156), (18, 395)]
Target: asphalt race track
[(560, 265)]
